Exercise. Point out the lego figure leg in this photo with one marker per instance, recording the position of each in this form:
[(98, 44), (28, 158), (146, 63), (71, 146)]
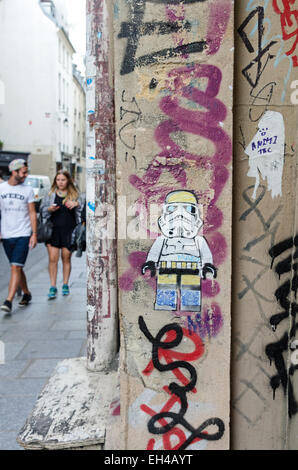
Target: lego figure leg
[(166, 292), (190, 293)]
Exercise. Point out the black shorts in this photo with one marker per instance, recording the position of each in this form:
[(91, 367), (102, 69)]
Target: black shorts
[(16, 250), (61, 238)]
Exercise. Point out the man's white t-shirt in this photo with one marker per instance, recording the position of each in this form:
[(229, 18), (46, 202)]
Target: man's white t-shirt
[(15, 219)]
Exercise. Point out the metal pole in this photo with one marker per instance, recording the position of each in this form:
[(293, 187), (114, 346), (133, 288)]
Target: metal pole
[(102, 318)]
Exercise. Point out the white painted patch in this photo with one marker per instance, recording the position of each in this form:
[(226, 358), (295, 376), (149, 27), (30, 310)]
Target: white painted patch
[(137, 417), (294, 95), (294, 355), (266, 153), (135, 414)]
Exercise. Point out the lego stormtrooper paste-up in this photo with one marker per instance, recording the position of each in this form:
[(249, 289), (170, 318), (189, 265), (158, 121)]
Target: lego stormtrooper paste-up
[(180, 256)]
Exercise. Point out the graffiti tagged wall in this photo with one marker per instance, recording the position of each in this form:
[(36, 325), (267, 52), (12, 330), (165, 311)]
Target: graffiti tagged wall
[(174, 88), (264, 320)]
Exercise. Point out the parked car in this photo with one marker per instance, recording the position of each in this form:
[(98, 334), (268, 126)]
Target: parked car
[(41, 186)]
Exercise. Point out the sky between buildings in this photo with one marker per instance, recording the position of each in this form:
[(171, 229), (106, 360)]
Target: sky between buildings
[(76, 16)]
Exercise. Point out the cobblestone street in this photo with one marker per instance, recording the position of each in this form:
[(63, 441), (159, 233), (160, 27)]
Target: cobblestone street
[(36, 338)]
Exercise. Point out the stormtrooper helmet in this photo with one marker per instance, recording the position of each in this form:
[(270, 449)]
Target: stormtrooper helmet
[(180, 217)]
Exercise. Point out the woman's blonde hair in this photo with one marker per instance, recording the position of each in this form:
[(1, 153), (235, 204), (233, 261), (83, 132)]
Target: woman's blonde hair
[(72, 192)]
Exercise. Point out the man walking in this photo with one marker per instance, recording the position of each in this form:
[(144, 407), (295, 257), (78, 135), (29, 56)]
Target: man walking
[(18, 229)]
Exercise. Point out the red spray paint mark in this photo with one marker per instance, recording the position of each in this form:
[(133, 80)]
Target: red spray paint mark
[(177, 13), (171, 356), (289, 25), (115, 407), (167, 437)]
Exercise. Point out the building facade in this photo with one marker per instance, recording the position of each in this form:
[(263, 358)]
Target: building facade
[(79, 129), (36, 114)]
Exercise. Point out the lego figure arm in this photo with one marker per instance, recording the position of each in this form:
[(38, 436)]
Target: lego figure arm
[(153, 256), (206, 258)]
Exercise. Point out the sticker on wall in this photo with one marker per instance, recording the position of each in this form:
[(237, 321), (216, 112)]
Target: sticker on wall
[(180, 257), (266, 153), (90, 196)]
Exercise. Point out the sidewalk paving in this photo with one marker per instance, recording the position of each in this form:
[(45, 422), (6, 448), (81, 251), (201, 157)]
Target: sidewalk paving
[(36, 338)]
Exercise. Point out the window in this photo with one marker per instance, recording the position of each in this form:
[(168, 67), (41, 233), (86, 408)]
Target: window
[(63, 96), (59, 90), (67, 95)]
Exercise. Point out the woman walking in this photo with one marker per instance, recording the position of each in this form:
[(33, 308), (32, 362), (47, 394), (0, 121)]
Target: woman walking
[(63, 207)]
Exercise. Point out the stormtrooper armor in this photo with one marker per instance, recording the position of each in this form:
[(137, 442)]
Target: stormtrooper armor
[(179, 257)]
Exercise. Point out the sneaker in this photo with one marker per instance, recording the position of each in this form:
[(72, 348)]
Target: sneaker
[(65, 289), (7, 306), (52, 293), (25, 300)]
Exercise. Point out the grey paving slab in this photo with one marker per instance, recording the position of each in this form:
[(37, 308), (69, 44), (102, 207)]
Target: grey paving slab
[(73, 297), (21, 386), (8, 441), (3, 332), (75, 307), (51, 315), (18, 315), (56, 314), (70, 314), (35, 324), (83, 351), (15, 316), (82, 334), (14, 411), (12, 369), (40, 297), (14, 334), (39, 368), (12, 349), (79, 285), (64, 348), (69, 325), (36, 338)]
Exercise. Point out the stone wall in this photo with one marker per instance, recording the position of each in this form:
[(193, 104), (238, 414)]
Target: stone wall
[(173, 108), (187, 219), (264, 226)]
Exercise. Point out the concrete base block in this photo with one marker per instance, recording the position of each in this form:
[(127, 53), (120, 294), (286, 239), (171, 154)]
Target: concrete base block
[(72, 410)]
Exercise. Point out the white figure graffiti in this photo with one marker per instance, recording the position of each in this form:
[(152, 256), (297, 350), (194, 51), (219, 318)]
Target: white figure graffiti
[(180, 256), (266, 153)]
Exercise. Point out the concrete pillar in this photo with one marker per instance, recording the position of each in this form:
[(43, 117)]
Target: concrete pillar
[(173, 108), (265, 396), (101, 177)]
